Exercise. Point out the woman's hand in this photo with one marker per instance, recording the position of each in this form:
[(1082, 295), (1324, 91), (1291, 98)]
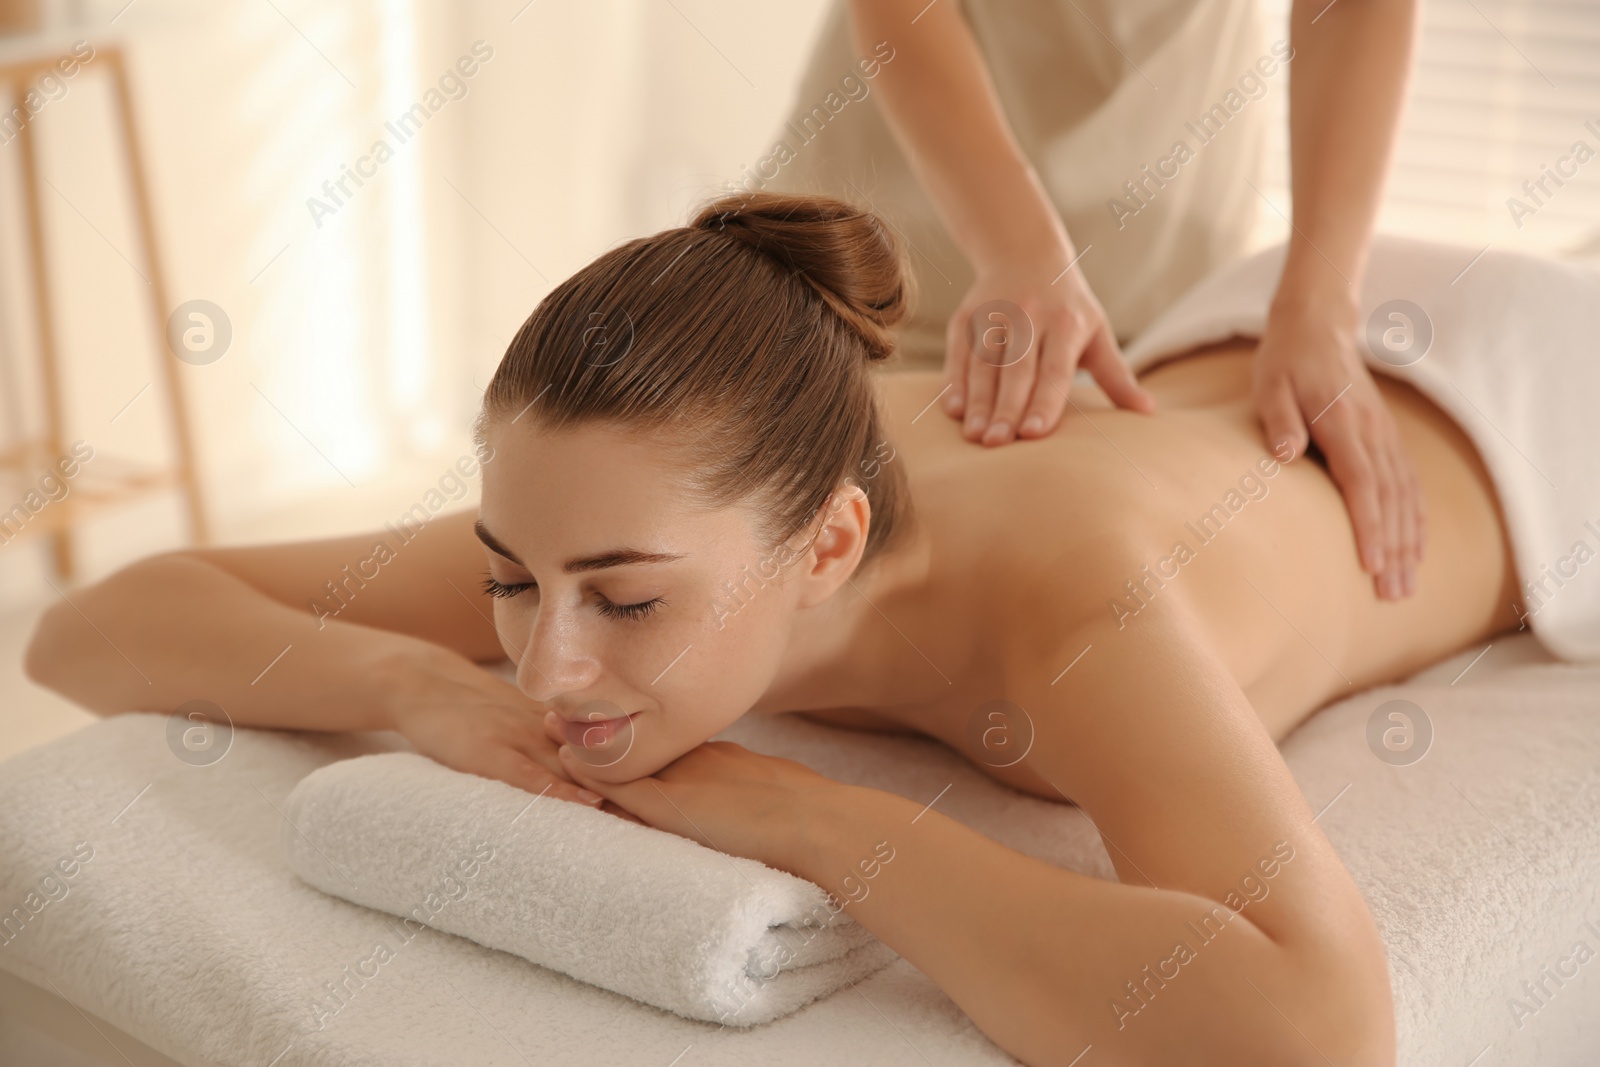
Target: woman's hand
[(1015, 342), (723, 796), (1309, 380), (460, 715)]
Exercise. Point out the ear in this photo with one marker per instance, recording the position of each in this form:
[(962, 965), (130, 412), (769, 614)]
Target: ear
[(841, 539)]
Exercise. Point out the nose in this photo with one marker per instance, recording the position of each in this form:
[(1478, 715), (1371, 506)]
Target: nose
[(553, 660)]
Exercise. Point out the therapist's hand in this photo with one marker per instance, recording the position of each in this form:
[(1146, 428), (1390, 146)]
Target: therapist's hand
[(1309, 381), (1015, 342)]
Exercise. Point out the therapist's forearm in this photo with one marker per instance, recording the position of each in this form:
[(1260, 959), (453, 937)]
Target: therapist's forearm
[(1347, 87), (940, 103)]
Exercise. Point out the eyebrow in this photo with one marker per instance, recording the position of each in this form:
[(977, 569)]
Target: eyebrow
[(616, 557)]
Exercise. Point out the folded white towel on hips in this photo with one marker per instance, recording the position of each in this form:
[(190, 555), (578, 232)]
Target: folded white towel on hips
[(1503, 343), (633, 909)]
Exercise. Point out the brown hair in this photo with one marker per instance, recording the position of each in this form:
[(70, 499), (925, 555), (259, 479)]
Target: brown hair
[(747, 335)]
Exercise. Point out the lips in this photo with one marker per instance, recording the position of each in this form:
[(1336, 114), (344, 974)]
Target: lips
[(593, 733)]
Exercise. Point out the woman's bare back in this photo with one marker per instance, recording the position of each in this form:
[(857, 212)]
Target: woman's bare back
[(1119, 514)]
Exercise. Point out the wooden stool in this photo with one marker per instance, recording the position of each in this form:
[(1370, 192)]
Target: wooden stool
[(104, 481)]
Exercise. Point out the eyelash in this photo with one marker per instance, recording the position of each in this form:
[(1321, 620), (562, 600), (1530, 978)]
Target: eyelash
[(630, 611), (500, 590)]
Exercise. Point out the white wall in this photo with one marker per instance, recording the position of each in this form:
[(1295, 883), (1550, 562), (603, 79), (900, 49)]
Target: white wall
[(360, 345)]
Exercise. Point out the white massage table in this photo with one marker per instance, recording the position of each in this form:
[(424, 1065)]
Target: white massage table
[(185, 939)]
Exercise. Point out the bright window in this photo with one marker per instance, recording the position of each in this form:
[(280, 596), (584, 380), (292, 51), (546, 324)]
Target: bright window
[(1504, 93)]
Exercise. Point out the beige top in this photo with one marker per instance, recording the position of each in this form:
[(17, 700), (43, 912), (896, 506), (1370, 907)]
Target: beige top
[(1096, 91)]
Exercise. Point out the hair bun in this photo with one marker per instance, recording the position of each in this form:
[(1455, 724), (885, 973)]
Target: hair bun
[(846, 254)]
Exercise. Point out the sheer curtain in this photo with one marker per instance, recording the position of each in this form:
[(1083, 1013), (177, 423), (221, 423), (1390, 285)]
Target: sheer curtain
[(337, 396), (346, 384)]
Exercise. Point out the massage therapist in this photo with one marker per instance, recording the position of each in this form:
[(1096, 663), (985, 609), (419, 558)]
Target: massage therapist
[(1086, 162)]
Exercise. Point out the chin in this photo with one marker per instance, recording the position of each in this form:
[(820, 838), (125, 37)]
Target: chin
[(627, 753)]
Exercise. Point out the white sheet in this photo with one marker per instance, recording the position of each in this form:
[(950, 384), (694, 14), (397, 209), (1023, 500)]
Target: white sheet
[(1481, 863), (1512, 359)]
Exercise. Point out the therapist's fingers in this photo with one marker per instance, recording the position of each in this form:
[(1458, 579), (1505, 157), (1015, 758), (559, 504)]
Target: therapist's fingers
[(1018, 376), (983, 383), (1340, 440), (1102, 358), (1391, 583), (1058, 362), (1410, 509), (988, 351), (957, 351), (1066, 333), (1397, 489), (1281, 419)]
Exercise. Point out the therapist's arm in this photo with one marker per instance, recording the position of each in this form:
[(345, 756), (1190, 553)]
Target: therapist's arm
[(1347, 83), (940, 103)]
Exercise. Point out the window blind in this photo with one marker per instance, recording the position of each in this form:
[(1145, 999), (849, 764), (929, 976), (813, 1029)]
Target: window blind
[(1500, 140)]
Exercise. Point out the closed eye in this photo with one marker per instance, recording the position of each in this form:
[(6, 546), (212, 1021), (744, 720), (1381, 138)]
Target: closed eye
[(630, 611), (501, 589)]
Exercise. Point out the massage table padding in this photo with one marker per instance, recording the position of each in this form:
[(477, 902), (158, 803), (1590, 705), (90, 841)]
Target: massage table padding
[(1481, 863)]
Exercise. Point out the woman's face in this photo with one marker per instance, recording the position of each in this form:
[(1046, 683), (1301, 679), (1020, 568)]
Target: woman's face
[(617, 594)]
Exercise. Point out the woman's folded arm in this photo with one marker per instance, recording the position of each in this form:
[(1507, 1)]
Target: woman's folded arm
[(1048, 962), (245, 631), (212, 623), (175, 628), (1235, 935)]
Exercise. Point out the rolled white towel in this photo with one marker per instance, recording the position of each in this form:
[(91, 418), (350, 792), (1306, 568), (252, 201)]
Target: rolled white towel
[(630, 908)]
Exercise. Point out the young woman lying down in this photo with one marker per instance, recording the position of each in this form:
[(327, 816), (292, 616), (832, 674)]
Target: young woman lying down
[(714, 507)]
